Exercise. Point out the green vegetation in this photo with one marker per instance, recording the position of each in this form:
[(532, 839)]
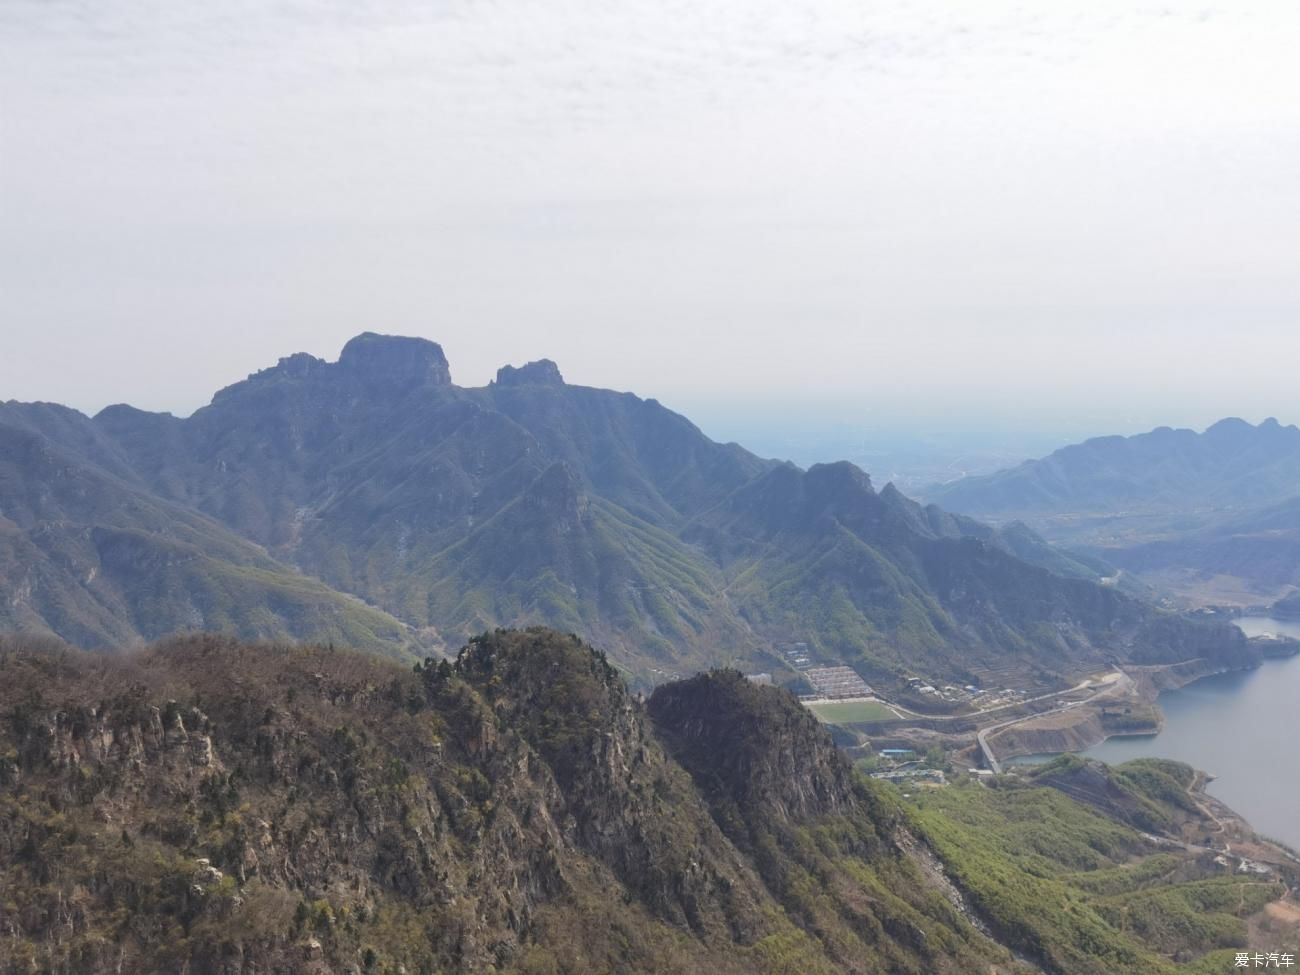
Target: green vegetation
[(1149, 794), (450, 511), (103, 562), (1081, 892), (521, 811), (849, 712)]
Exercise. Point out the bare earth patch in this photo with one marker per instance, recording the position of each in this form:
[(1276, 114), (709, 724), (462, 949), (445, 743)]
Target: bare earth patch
[(1288, 912), (1276, 927)]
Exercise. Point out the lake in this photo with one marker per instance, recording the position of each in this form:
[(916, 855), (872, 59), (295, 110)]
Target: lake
[(1241, 728)]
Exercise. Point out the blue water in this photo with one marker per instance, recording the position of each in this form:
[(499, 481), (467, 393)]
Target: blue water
[(1244, 729)]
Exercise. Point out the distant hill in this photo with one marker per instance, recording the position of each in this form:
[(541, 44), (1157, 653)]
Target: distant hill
[(1191, 507), (453, 510), (1229, 466)]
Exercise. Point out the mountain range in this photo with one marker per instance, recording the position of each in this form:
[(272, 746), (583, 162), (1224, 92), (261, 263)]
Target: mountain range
[(373, 502), (1211, 515), (222, 808)]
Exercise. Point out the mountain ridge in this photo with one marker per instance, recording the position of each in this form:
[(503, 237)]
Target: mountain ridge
[(1192, 468), (218, 807), (531, 500), (1208, 516)]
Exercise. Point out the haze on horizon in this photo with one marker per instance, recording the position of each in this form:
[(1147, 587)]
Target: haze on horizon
[(1080, 217)]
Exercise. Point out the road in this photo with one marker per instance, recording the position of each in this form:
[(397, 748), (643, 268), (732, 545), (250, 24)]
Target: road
[(1105, 684)]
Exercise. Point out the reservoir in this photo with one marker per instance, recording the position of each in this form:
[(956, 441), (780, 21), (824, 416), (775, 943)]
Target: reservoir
[(1243, 728)]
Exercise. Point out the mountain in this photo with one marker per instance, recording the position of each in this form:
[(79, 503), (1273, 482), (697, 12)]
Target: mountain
[(89, 552), (1230, 466), (1016, 538), (454, 510), (1212, 516), (820, 552), (211, 806)]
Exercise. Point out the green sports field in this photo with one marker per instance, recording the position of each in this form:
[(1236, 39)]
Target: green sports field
[(851, 712)]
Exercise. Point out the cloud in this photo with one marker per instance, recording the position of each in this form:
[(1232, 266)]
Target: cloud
[(906, 201)]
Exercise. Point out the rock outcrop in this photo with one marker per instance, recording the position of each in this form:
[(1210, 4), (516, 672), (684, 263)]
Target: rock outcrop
[(542, 372), (393, 362), (216, 807)]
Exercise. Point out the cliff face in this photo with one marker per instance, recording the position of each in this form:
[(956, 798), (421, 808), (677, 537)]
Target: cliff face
[(216, 807), (751, 749), (270, 829)]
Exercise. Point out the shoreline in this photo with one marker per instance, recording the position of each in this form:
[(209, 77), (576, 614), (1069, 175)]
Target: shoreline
[(1135, 703), (1081, 728), (1242, 841)]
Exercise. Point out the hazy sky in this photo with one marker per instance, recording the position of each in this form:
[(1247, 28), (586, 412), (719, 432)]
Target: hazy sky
[(1088, 211)]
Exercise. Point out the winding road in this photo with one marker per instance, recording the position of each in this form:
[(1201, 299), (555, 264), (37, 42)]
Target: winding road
[(1105, 684)]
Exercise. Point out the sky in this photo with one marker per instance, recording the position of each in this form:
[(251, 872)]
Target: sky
[(915, 215)]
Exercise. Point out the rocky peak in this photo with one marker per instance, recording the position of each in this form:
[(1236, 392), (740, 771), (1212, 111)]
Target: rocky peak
[(543, 372), (838, 481), (119, 415), (300, 365), (559, 693), (753, 745), (388, 361), (1230, 428), (789, 499), (1277, 431), (899, 501), (838, 490)]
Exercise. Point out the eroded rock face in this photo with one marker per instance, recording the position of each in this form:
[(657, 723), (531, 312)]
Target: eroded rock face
[(381, 361), (290, 798), (543, 372), (755, 745)]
